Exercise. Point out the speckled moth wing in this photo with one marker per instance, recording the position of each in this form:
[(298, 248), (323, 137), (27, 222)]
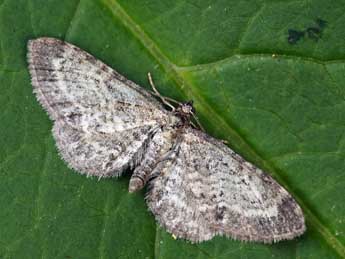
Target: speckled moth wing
[(102, 121), (206, 190)]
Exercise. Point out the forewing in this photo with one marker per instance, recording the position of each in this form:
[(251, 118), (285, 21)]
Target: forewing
[(208, 190), (102, 120)]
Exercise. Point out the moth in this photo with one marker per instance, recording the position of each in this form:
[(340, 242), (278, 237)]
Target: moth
[(197, 186)]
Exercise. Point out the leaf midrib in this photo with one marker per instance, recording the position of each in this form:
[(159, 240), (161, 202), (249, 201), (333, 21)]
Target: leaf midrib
[(173, 72)]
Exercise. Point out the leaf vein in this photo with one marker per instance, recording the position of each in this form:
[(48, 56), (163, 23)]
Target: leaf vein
[(68, 31)]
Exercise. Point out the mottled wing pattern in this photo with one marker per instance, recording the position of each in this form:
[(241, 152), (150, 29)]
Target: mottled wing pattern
[(208, 190), (102, 120)]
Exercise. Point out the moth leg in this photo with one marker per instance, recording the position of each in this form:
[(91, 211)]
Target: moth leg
[(197, 122), (159, 149)]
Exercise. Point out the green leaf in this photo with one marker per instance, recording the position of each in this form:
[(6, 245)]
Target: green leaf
[(279, 104)]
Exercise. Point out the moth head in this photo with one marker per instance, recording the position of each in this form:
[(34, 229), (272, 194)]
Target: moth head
[(185, 111), (187, 108)]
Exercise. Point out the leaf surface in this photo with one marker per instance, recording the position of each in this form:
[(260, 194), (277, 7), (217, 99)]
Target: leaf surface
[(280, 105)]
